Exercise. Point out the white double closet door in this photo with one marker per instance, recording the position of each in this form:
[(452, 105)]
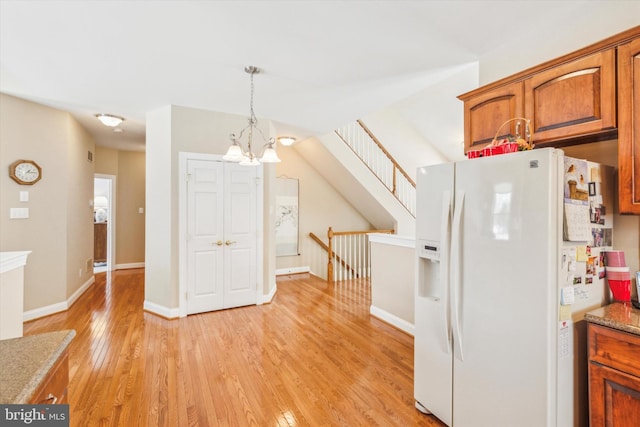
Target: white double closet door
[(221, 235)]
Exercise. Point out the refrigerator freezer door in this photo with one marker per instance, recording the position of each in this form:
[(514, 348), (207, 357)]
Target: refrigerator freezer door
[(432, 336), (506, 302)]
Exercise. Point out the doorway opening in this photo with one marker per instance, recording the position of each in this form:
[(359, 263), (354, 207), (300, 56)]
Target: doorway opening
[(103, 223)]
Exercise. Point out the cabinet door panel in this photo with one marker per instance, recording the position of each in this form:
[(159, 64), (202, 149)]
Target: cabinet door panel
[(572, 99), (615, 397), (484, 114), (629, 126)]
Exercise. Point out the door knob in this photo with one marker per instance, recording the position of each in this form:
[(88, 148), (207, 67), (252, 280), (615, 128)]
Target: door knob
[(219, 243), (229, 242)]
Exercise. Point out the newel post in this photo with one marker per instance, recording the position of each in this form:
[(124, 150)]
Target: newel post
[(330, 256)]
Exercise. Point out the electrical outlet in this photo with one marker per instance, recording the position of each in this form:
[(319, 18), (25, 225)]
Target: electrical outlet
[(80, 273)]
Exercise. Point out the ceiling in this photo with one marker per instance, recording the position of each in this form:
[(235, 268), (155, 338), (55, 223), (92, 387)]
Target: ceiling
[(324, 63)]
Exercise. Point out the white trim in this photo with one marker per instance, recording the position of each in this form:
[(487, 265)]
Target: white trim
[(265, 299), (393, 239), (293, 270), (80, 291), (260, 297), (183, 157), (160, 310), (391, 319), (111, 219), (59, 306), (129, 265), (12, 260)]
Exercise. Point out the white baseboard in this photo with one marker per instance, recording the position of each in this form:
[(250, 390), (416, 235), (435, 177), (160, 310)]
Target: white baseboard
[(59, 306), (162, 311), (292, 270), (393, 320), (130, 265), (267, 298), (80, 291)]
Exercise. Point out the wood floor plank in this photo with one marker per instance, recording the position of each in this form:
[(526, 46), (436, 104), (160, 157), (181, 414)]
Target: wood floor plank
[(312, 357)]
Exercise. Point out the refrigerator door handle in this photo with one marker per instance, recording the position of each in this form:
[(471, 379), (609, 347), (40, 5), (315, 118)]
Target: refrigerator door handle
[(456, 291), (445, 268)]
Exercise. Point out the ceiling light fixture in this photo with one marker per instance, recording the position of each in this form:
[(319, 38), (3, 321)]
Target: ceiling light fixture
[(109, 119), (236, 153), (286, 140)]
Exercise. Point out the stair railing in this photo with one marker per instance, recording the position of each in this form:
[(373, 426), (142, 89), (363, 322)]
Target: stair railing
[(348, 255), (373, 154)]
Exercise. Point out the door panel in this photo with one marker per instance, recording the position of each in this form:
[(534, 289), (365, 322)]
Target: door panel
[(433, 369), (241, 233), (507, 280), (204, 231), (222, 235)]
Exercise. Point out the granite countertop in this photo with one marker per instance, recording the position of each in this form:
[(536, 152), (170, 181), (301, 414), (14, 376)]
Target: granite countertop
[(620, 316), (26, 361)]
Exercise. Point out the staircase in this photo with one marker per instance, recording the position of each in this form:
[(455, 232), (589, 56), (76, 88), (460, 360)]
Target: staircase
[(372, 196), (373, 154)]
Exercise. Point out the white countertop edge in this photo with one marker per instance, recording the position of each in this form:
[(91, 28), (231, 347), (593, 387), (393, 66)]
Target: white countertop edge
[(12, 260), (393, 239)]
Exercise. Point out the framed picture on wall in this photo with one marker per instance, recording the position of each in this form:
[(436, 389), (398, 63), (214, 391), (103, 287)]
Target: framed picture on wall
[(286, 217)]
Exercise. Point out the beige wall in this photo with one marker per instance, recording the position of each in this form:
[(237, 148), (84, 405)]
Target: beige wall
[(79, 206), (130, 197), (129, 169), (320, 206), (626, 228), (171, 130), (393, 274), (106, 160), (59, 228)]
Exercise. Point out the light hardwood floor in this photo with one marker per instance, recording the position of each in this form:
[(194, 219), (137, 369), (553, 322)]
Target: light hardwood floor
[(312, 357)]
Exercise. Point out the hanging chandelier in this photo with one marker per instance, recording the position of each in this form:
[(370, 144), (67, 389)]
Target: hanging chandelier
[(236, 152)]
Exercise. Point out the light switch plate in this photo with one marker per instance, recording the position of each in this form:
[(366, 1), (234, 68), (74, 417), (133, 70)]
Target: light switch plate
[(24, 196), (19, 213)]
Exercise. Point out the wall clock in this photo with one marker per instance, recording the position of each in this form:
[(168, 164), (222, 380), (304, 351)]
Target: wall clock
[(25, 172)]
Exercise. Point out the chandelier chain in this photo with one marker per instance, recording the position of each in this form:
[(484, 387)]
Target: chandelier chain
[(252, 115)]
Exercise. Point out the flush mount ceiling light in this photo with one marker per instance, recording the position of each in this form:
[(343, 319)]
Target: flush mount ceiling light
[(286, 140), (236, 153), (109, 119)]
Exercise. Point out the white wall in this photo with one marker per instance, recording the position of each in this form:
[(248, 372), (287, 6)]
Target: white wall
[(428, 127), (528, 47)]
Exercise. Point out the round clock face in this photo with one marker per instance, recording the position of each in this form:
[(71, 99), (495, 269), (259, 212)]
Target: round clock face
[(25, 172)]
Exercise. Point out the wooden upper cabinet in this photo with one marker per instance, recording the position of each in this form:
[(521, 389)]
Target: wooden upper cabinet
[(629, 127), (577, 98), (483, 114)]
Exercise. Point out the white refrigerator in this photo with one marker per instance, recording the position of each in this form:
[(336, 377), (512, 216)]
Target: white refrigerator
[(498, 288)]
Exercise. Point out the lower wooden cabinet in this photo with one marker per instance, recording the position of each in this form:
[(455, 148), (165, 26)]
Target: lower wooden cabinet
[(100, 242), (53, 388), (614, 377)]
